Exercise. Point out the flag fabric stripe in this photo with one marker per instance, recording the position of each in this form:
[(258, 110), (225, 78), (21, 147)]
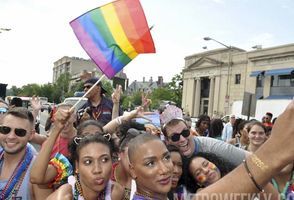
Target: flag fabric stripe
[(99, 43), (90, 47), (114, 34), (139, 20), (117, 31), (101, 25), (124, 15)]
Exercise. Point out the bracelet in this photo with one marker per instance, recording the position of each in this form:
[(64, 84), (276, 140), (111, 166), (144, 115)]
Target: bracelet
[(251, 177)]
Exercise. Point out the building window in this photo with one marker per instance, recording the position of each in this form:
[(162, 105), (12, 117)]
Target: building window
[(237, 78), (282, 81)]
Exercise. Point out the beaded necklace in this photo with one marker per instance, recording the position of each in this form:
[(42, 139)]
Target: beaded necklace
[(13, 184), (96, 112), (79, 191), (144, 195), (289, 187)]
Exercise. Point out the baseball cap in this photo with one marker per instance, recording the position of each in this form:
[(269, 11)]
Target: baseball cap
[(93, 80)]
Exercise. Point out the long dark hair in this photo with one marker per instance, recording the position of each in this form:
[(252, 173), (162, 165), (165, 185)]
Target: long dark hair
[(172, 148), (223, 165)]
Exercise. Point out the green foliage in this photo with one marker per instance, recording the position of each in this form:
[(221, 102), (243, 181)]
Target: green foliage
[(176, 87), (60, 90), (171, 92), (131, 101), (158, 95), (108, 87)]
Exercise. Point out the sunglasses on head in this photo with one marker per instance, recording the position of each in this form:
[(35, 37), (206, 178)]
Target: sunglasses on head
[(176, 136), (18, 131), (3, 110)]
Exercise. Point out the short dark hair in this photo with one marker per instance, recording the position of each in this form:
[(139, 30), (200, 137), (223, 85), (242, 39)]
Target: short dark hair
[(87, 123), (172, 122), (136, 142), (269, 114), (16, 101), (21, 112)]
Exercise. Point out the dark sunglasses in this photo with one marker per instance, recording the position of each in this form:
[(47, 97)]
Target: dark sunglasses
[(18, 131), (176, 136), (87, 86), (3, 110)]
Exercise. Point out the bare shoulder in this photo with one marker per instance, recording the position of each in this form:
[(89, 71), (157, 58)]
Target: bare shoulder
[(232, 141), (117, 191)]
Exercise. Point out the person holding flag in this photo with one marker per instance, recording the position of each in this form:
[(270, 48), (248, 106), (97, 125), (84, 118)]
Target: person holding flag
[(98, 107)]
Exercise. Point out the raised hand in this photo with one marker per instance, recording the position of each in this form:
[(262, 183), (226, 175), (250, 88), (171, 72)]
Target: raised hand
[(145, 101), (116, 94), (36, 103), (62, 116)]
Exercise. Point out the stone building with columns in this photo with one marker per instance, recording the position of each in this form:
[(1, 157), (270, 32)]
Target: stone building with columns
[(213, 80)]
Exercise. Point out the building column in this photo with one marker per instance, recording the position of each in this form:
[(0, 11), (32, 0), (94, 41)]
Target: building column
[(211, 97), (216, 98), (189, 97), (184, 95), (197, 98)]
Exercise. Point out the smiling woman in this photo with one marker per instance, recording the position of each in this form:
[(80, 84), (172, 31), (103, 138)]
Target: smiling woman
[(204, 169), (151, 166)]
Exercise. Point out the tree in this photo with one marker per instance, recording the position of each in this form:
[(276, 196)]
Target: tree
[(160, 94), (176, 86), (131, 101)]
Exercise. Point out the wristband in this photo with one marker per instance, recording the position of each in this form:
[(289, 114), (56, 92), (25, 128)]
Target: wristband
[(251, 177)]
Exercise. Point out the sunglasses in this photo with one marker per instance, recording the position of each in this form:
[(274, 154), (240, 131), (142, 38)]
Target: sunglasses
[(176, 136), (18, 131), (87, 86), (3, 110)]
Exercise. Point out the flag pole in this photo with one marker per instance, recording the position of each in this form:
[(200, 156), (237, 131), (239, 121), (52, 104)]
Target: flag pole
[(73, 107)]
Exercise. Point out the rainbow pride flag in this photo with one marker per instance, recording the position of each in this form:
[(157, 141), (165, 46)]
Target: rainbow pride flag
[(114, 34)]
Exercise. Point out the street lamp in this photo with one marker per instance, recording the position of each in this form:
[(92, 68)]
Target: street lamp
[(4, 29), (227, 98), (209, 38)]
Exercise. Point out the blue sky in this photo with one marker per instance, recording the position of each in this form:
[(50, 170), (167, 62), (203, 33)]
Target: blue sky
[(41, 33)]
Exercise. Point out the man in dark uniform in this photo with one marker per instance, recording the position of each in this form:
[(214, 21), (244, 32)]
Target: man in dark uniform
[(98, 107)]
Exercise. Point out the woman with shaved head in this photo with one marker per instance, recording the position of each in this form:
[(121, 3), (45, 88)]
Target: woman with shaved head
[(151, 167)]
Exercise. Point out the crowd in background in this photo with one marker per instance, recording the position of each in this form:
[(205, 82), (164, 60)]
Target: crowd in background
[(98, 152)]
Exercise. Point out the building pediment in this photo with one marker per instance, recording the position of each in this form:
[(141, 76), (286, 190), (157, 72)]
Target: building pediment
[(203, 62)]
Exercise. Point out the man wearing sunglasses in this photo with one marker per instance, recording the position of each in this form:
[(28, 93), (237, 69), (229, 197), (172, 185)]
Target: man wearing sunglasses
[(178, 134), (16, 157), (98, 107)]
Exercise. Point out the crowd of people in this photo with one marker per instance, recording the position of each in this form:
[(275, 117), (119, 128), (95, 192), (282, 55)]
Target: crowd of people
[(99, 152)]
